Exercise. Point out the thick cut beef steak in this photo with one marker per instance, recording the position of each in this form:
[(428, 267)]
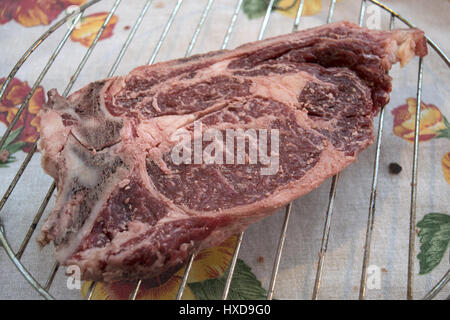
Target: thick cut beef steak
[(125, 209)]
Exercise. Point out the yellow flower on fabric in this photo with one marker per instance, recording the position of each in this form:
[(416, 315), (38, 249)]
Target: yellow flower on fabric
[(122, 290), (431, 121), (288, 8), (29, 120), (31, 13), (212, 262), (446, 166), (87, 29)]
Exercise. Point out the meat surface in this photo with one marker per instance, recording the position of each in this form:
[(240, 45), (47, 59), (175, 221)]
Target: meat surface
[(125, 209)]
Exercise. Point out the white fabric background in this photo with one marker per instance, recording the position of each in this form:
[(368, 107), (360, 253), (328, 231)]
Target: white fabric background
[(298, 265)]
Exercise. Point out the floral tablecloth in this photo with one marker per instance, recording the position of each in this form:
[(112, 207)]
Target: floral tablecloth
[(23, 21)]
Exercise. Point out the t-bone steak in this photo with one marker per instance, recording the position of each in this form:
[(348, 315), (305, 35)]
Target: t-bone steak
[(126, 210)]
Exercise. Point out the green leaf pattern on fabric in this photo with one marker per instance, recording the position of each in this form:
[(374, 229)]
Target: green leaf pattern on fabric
[(10, 147), (434, 234), (445, 133)]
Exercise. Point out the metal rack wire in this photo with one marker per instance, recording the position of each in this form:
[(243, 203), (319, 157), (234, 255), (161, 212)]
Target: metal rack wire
[(77, 15)]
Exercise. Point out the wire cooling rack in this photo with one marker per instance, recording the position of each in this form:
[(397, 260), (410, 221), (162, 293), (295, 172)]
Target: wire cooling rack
[(75, 17)]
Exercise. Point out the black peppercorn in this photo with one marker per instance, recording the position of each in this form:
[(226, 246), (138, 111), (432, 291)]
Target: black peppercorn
[(394, 168)]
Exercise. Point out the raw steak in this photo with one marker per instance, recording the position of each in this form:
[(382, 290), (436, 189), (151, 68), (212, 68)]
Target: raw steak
[(126, 210)]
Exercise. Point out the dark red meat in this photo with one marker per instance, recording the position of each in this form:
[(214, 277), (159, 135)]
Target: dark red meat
[(126, 210)]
